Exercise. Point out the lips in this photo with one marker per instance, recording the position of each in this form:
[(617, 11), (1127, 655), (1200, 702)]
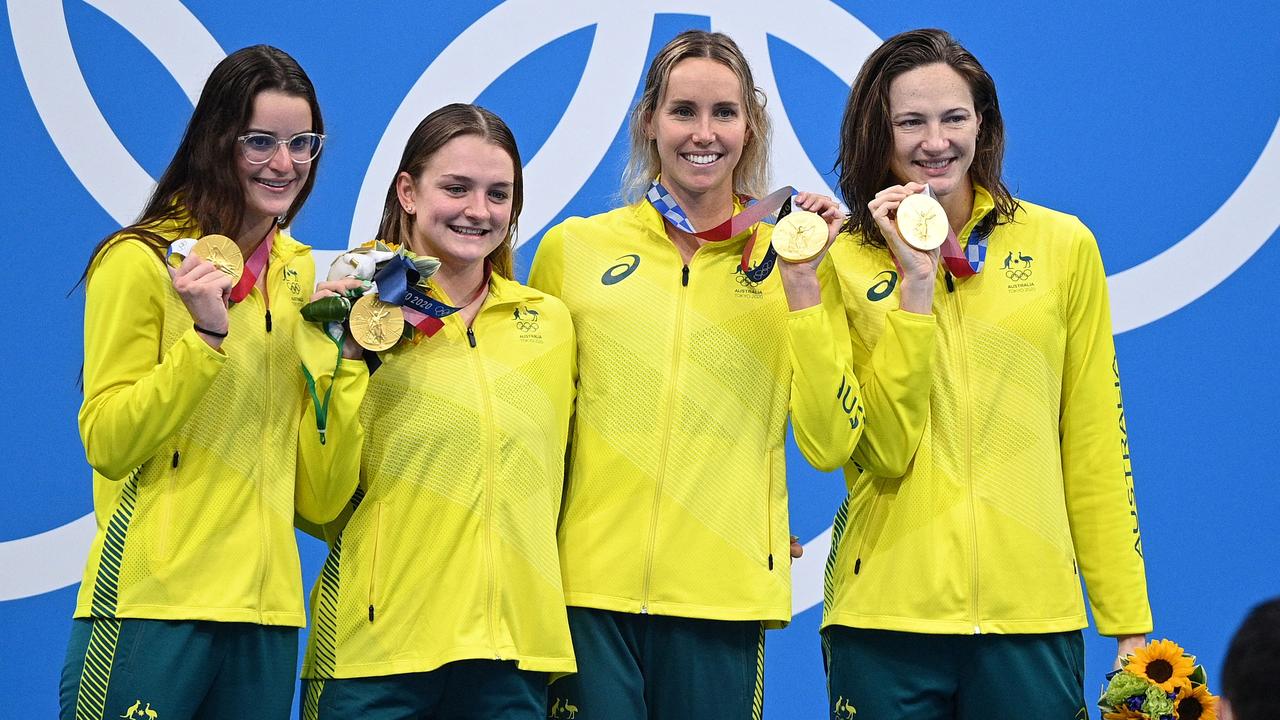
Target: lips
[(935, 167), (274, 184), (469, 231), (701, 159)]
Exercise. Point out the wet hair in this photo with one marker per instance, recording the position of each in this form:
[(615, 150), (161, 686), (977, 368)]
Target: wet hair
[(866, 133), (751, 175), (436, 130), (200, 188), (1253, 663)]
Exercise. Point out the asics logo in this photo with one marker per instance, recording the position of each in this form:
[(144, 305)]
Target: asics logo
[(884, 288), (617, 273)]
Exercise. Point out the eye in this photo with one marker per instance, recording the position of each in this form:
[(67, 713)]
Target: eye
[(909, 123), (682, 111), (957, 119), (455, 189), (259, 141), (301, 143), (727, 113), (499, 195)]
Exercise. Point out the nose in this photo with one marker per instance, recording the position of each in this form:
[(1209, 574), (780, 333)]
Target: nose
[(935, 140), (703, 133), (477, 206), (280, 160)]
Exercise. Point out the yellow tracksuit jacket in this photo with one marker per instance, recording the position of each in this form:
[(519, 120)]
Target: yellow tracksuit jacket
[(457, 470), (195, 451), (995, 464), (676, 501)]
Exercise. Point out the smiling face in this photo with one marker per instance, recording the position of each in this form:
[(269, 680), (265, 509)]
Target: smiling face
[(270, 188), (935, 130), (460, 203), (699, 128)]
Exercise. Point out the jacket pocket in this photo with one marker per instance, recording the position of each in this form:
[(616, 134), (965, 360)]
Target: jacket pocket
[(167, 488), (770, 460), (376, 545), (868, 529)]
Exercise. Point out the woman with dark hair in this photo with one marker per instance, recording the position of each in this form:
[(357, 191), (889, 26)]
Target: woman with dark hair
[(674, 538), (994, 468), (192, 597), (441, 595)]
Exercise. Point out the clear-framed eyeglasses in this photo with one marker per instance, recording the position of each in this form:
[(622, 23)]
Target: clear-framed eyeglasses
[(258, 148)]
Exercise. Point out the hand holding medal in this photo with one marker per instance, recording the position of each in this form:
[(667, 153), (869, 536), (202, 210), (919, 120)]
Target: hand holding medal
[(203, 272)]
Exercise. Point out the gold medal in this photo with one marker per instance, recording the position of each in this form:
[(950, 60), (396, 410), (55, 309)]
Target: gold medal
[(374, 324), (223, 253), (800, 236), (922, 222)]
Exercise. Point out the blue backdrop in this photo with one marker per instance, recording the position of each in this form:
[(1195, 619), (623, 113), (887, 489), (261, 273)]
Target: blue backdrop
[(1154, 122)]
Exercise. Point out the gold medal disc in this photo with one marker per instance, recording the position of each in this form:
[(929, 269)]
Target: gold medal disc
[(922, 222), (800, 236), (376, 325), (223, 253)]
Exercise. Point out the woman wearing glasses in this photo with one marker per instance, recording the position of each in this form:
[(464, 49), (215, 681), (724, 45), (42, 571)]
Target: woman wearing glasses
[(192, 595)]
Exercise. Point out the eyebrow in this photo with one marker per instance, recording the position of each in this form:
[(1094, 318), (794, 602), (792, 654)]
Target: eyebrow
[(916, 113), (463, 178), (268, 132), (677, 101)]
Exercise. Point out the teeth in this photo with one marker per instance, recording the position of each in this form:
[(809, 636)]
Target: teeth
[(274, 183), (936, 165), (702, 159), (467, 230)]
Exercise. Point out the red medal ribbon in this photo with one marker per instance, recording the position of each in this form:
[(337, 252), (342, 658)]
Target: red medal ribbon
[(253, 267)]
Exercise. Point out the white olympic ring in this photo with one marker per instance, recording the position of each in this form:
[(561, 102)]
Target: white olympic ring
[(1140, 295)]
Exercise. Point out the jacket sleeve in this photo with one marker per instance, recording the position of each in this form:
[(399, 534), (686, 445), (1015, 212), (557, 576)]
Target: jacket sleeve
[(896, 375), (328, 465), (135, 396), (1096, 468), (547, 272), (826, 408)]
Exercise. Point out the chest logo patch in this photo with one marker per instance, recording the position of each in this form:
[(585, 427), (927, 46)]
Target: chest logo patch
[(617, 273), (884, 288)]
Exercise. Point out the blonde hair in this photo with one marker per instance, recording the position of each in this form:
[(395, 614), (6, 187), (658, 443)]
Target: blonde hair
[(433, 133), (751, 175)]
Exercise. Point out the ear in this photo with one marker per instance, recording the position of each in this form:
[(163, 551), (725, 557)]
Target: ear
[(649, 132), (406, 191)]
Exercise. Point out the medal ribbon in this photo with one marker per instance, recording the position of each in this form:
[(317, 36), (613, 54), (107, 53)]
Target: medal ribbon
[(253, 267), (971, 259), (396, 285), (778, 201)]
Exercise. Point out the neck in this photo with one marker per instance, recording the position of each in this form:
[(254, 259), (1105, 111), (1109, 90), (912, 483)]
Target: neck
[(460, 282), (959, 206), (252, 233), (707, 209)]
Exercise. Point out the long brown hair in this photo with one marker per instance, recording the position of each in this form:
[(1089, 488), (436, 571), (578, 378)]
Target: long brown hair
[(866, 133), (200, 187), (751, 176), (433, 133)]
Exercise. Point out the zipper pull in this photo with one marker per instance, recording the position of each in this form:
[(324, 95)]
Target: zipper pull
[(770, 561), (951, 285), (370, 612), (471, 337), (684, 276), (268, 320), (175, 458)]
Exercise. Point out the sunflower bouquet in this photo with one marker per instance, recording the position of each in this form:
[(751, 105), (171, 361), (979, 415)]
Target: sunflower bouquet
[(1158, 682)]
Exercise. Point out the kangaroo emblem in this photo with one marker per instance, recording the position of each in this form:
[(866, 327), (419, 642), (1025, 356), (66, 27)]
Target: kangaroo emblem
[(844, 709), (1009, 259), (136, 712), (132, 709)]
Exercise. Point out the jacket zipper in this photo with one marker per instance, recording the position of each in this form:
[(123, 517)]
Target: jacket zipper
[(866, 530), (491, 582), (666, 437), (957, 323), (768, 511), (266, 417)]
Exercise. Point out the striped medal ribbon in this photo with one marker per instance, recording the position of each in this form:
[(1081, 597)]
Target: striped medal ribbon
[(778, 201)]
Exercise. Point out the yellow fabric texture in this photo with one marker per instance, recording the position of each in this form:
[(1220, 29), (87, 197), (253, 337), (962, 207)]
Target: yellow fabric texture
[(450, 553), (995, 464), (676, 501), (212, 436)]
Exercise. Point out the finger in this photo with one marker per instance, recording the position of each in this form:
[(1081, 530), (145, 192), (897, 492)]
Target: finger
[(321, 292)]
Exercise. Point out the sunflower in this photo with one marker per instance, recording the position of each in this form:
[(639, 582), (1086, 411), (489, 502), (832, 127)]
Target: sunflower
[(1162, 663), (1196, 704)]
